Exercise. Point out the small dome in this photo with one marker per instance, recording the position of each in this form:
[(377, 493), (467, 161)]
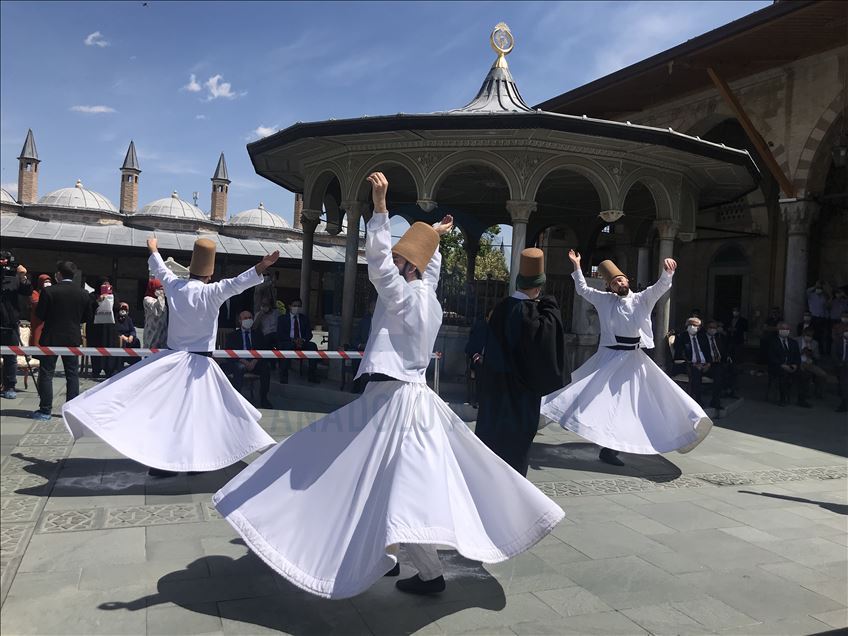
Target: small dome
[(173, 207), (259, 217), (77, 197), (5, 197)]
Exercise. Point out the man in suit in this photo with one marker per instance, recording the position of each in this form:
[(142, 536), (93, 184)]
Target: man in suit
[(810, 358), (63, 307), (784, 359), (294, 333), (839, 350), (242, 338), (702, 357)]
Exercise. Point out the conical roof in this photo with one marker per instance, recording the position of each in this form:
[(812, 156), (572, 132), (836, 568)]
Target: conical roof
[(221, 170), (29, 151), (498, 94), (131, 161)]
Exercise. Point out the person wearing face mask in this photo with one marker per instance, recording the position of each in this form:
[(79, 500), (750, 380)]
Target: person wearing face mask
[(810, 356), (839, 327), (523, 359), (769, 331), (619, 398), (127, 336), (241, 339), (294, 333), (806, 323), (840, 357), (838, 308), (704, 354), (785, 365), (155, 315), (329, 506), (818, 299)]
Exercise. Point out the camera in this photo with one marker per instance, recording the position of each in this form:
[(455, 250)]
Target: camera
[(8, 268)]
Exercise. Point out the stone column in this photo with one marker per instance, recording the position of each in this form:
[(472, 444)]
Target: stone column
[(308, 220), (798, 215), (643, 267), (355, 210), (520, 212), (667, 231)]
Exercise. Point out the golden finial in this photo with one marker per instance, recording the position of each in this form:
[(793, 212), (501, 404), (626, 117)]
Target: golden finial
[(502, 42)]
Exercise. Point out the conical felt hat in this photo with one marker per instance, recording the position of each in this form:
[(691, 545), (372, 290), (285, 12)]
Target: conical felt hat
[(531, 269), (202, 258), (417, 245), (609, 270)]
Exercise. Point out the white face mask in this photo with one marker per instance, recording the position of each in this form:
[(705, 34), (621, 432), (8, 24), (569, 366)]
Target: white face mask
[(712, 332), (47, 284), (159, 293), (844, 320), (783, 333), (247, 323), (295, 310), (735, 313), (122, 314), (692, 329)]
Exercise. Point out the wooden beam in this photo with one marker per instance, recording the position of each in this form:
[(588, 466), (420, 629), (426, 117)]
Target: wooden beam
[(756, 139)]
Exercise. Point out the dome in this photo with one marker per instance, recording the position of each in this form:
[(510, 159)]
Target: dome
[(5, 197), (173, 207), (77, 197), (259, 217)]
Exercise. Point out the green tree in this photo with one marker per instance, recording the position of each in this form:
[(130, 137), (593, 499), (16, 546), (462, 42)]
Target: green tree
[(490, 259)]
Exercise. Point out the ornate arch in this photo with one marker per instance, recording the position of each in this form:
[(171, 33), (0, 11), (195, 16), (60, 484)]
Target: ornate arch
[(359, 188), (317, 182), (813, 157), (655, 183), (594, 172), (463, 158)]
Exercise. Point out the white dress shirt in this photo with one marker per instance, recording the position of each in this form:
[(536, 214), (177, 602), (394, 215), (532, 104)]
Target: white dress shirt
[(193, 306), (407, 317), (628, 316)]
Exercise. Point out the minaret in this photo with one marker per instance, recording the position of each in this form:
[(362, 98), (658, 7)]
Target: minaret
[(129, 181), (220, 185), (298, 210), (28, 171)]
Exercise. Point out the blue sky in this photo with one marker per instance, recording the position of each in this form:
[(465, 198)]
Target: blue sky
[(188, 80)]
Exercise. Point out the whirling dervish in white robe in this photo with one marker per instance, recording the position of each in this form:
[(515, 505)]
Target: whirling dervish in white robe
[(176, 410), (328, 507), (619, 398)]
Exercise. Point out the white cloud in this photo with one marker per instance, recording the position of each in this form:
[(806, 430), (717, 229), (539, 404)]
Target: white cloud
[(264, 131), (94, 110), (201, 117), (193, 86), (95, 39), (11, 188), (218, 88)]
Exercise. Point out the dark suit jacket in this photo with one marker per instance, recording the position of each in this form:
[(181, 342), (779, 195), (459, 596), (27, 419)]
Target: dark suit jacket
[(284, 326), (235, 340), (683, 347), (63, 307), (777, 355), (737, 336)]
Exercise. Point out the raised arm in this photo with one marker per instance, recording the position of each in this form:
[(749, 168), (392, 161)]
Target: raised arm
[(652, 294), (434, 267), (382, 271), (589, 293), (157, 265)]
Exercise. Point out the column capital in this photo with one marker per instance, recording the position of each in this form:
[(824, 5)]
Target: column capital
[(687, 237), (520, 211), (355, 208), (428, 205), (309, 220), (667, 229), (799, 215)]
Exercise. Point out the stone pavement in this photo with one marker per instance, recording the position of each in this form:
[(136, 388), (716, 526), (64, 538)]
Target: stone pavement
[(745, 535)]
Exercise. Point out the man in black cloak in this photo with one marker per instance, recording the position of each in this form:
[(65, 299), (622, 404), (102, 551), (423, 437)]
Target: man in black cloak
[(524, 359)]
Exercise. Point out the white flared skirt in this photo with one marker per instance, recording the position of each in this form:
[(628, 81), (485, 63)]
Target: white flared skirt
[(174, 411), (624, 401), (324, 507)]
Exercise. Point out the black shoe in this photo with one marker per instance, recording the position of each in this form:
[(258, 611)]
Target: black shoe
[(395, 571), (610, 456), (414, 585), (266, 404), (158, 472), (804, 404)]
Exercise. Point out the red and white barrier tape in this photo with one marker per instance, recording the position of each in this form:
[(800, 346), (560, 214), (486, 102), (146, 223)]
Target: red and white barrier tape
[(219, 353)]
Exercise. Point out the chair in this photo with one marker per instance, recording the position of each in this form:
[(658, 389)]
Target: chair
[(681, 378), (22, 360)]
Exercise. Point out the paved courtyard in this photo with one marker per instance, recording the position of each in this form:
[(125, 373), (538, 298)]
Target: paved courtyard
[(745, 535)]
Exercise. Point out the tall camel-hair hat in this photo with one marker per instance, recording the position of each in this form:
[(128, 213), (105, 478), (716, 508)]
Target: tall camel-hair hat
[(202, 258), (609, 270), (417, 245)]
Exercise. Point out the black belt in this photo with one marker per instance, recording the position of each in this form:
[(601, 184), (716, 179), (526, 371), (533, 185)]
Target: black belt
[(625, 343), (378, 377), (205, 354)]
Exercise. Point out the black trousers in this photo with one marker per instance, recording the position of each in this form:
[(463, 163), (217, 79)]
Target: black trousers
[(10, 336), (46, 371), (696, 376), (787, 379), (288, 345), (237, 370)]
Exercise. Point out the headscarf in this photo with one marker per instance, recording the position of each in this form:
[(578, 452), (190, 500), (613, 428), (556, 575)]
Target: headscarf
[(153, 285), (41, 280)]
